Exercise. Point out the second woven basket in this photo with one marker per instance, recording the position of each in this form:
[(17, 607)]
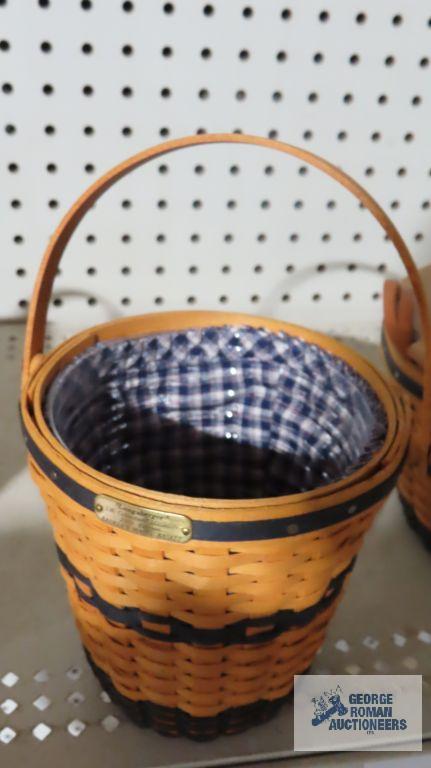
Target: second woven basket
[(407, 373), (209, 478)]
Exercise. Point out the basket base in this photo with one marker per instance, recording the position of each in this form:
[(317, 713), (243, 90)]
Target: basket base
[(174, 722), (420, 529)]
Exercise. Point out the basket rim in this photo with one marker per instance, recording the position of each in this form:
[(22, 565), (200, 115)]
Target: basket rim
[(386, 458), (410, 375)]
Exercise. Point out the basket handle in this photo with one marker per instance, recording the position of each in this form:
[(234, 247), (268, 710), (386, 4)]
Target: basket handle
[(37, 315)]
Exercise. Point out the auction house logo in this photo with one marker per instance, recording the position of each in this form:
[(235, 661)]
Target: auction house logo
[(368, 712), (357, 712)]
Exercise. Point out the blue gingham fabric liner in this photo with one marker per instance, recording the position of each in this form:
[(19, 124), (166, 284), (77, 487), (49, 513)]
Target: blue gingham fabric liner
[(219, 412)]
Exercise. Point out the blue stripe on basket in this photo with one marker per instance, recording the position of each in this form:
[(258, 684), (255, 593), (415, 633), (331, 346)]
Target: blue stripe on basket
[(405, 381), (180, 631), (255, 530)]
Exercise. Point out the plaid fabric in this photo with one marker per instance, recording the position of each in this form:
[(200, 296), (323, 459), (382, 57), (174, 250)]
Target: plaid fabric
[(224, 412)]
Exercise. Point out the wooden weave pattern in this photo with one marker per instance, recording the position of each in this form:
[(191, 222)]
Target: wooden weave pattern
[(207, 585), (414, 485)]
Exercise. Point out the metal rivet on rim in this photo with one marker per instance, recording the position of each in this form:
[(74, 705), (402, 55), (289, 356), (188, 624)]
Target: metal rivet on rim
[(352, 509), (54, 474), (292, 528), (185, 531), (98, 508)]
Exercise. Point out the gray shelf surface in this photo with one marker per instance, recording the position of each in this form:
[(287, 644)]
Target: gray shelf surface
[(383, 625)]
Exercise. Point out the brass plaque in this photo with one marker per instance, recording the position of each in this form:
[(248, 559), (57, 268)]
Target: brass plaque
[(147, 522)]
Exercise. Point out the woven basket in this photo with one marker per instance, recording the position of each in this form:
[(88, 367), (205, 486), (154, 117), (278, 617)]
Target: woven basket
[(414, 484), (196, 612)]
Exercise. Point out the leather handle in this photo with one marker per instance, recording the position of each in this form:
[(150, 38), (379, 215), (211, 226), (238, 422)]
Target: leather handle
[(37, 315)]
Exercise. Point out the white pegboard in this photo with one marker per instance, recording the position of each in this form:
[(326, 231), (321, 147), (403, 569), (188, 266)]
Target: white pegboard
[(86, 84)]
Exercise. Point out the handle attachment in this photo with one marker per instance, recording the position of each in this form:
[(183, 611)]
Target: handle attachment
[(38, 309)]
